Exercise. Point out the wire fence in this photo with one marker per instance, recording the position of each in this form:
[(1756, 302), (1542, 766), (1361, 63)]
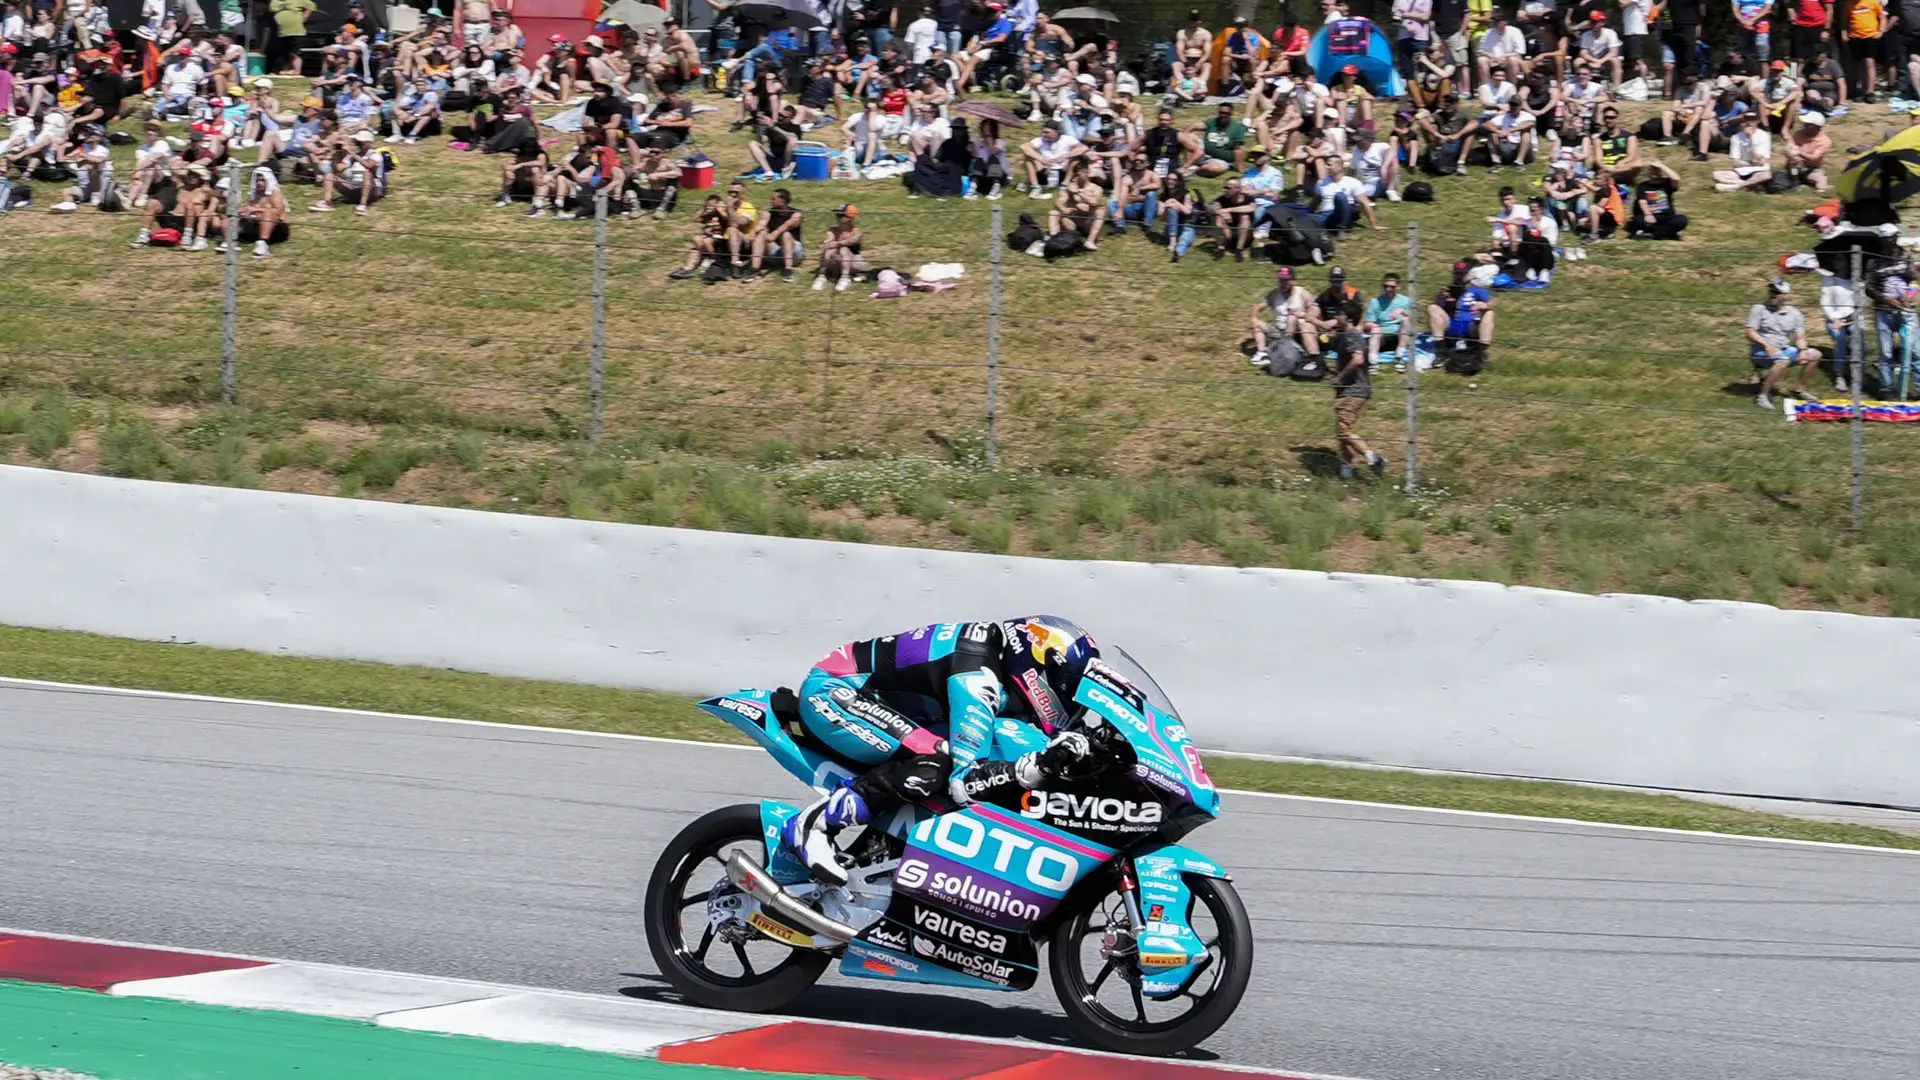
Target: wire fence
[(1054, 366)]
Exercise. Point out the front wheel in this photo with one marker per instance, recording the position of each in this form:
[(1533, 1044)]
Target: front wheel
[(713, 958), (1097, 977)]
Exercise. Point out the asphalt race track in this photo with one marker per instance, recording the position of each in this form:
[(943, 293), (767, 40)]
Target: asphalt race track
[(1393, 945)]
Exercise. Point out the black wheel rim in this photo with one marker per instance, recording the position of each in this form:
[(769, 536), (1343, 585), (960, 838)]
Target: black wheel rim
[(1108, 987), (698, 946)]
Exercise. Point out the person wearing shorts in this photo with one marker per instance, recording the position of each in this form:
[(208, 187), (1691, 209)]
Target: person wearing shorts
[(1810, 21), (1777, 340), (1352, 387)]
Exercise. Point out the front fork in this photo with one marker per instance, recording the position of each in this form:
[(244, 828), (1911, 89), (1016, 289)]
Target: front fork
[(1117, 943)]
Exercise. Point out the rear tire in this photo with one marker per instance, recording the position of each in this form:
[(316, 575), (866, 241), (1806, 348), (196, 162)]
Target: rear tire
[(1225, 982), (697, 849)]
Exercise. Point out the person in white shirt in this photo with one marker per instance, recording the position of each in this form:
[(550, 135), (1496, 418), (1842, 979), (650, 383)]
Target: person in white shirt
[(1047, 157), (1503, 45), (152, 159), (1495, 92), (1374, 165), (920, 36), (1511, 140), (1340, 196), (179, 82), (1600, 45), (92, 162), (1751, 149), (1635, 35), (1583, 95)]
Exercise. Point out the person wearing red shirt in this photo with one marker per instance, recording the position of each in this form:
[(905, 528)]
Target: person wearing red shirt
[(1290, 43), (894, 104), (1810, 21)]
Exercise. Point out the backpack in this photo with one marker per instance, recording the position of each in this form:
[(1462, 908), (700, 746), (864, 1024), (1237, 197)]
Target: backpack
[(164, 238), (1465, 356), (718, 272), (1026, 234), (1062, 244), (1418, 191), (1283, 357)]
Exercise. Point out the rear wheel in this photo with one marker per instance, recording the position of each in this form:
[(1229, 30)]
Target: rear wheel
[(714, 959), (1096, 975)]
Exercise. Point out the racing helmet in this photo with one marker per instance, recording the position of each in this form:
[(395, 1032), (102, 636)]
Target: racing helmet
[(1043, 657)]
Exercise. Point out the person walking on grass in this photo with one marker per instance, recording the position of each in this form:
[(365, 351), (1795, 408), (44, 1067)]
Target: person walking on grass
[(1352, 386), (1777, 339)]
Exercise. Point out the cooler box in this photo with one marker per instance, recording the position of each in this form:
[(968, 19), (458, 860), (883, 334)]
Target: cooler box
[(812, 161), (696, 177), (256, 64)]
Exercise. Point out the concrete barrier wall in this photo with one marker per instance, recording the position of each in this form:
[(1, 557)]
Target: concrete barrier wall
[(1447, 675)]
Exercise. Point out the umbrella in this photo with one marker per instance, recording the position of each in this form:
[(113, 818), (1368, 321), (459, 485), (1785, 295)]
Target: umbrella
[(635, 13), (987, 110), (1890, 171), (798, 13), (1086, 14)]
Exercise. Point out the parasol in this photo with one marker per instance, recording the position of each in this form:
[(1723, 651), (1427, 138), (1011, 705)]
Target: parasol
[(635, 13), (1890, 171), (1086, 14), (987, 110)]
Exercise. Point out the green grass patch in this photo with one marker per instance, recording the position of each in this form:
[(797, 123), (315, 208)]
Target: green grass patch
[(63, 656)]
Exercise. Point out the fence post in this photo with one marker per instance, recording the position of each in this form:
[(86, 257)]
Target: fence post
[(597, 355), (1413, 357), (1857, 346), (230, 305), (993, 344)]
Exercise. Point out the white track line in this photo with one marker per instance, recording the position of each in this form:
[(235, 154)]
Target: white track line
[(1700, 833), (703, 1018)]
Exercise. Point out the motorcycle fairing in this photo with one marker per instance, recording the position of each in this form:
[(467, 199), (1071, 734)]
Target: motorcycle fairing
[(1165, 755), (752, 712), (994, 866), (1169, 949), (866, 961), (783, 862)]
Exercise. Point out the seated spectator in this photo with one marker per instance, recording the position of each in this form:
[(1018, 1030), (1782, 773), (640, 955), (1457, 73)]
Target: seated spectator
[(710, 241), (356, 107), (1342, 199), (524, 176), (1081, 207), (356, 173), (1500, 47), (1433, 72), (1779, 96), (417, 112), (863, 131), (1047, 157), (1222, 144), (265, 209), (1570, 194), (1281, 330), (1653, 215), (578, 181), (782, 234), (1600, 46), (1539, 235), (840, 254), (182, 200), (1584, 96), (1614, 149), (1496, 91), (1351, 101), (152, 161), (1449, 136), (1462, 311), (1751, 153), (1404, 146), (92, 162), (179, 84), (1136, 195), (1807, 150), (1388, 323), (819, 95), (1715, 132), (1825, 83), (1310, 161), (669, 123), (657, 177), (774, 142), (1510, 138), (1186, 213), (1374, 164), (1233, 214), (990, 167), (1777, 339)]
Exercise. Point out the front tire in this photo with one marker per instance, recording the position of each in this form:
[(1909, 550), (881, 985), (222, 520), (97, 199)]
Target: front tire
[(689, 871), (1128, 1028)]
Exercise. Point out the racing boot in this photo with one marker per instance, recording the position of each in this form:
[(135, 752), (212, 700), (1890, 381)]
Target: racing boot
[(810, 832)]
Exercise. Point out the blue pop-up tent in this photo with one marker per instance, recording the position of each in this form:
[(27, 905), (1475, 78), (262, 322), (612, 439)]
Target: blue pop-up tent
[(1361, 43)]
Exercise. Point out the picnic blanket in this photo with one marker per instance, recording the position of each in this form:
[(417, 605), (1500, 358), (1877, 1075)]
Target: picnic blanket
[(1885, 412)]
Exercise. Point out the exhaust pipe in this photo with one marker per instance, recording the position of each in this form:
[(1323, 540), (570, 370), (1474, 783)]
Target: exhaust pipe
[(753, 879)]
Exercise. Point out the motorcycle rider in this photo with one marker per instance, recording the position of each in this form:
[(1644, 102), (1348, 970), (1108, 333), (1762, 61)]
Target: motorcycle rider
[(959, 676)]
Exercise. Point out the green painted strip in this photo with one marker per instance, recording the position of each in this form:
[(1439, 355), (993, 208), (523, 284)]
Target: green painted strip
[(49, 1027)]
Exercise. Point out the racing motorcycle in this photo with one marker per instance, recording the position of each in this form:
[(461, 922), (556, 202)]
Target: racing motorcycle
[(1148, 946)]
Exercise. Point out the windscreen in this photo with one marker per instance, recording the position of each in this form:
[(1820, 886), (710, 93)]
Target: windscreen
[(1123, 662)]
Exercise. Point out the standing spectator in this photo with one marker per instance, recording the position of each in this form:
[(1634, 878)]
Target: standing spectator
[(1811, 19), (1867, 25), (1777, 339), (1755, 36), (1389, 323), (1352, 386), (1450, 32), (1807, 150), (1890, 285), (1751, 151), (1635, 34), (921, 34), (1686, 16), (1837, 305), (1416, 31)]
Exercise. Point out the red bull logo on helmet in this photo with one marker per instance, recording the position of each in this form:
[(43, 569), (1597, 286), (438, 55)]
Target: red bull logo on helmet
[(1046, 642)]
